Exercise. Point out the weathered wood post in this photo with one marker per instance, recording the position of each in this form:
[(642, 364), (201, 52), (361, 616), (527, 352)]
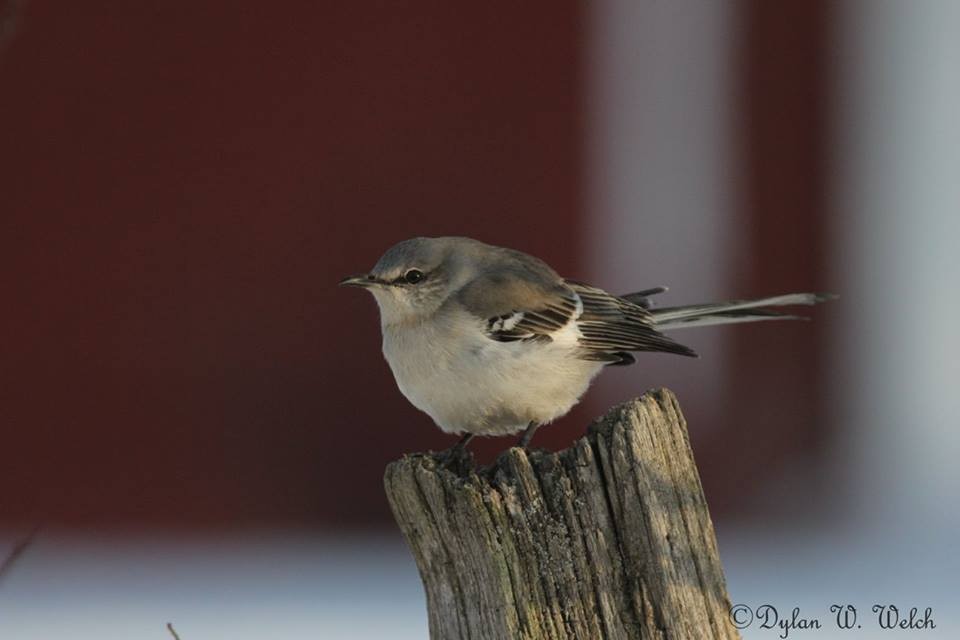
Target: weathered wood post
[(609, 539)]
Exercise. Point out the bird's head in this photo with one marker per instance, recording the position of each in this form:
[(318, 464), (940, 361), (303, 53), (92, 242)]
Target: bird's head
[(414, 278)]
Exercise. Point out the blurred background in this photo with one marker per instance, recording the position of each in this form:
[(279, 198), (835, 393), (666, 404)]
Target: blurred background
[(198, 418)]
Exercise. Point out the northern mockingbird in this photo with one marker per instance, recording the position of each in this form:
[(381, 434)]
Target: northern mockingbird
[(491, 341)]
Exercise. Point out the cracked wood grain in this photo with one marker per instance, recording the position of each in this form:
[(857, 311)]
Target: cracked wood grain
[(610, 539)]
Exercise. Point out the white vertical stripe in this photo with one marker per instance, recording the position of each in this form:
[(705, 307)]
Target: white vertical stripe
[(898, 257)]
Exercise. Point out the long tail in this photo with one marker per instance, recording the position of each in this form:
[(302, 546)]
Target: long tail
[(702, 315)]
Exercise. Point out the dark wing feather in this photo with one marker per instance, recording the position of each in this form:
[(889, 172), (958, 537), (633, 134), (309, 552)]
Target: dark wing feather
[(612, 326), (530, 302), (535, 324), (639, 298)]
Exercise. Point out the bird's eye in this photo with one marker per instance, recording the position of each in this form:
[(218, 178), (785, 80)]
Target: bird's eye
[(413, 276)]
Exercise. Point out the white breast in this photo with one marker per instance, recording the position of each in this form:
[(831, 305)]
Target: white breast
[(468, 382)]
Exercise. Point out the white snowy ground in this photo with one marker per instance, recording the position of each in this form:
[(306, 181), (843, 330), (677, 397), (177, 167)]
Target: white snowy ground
[(303, 585)]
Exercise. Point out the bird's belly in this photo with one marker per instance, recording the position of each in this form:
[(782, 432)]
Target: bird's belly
[(487, 387)]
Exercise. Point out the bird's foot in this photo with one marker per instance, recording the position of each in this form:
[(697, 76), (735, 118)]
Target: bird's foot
[(457, 458)]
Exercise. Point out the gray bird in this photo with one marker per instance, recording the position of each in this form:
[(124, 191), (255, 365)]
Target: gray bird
[(491, 341)]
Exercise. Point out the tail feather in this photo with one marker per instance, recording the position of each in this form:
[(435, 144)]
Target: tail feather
[(734, 311), (642, 298)]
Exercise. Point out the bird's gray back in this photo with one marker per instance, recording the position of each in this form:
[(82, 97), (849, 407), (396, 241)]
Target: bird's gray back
[(506, 280)]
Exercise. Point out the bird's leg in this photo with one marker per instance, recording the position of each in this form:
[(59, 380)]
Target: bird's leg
[(456, 452), (528, 435), (462, 443)]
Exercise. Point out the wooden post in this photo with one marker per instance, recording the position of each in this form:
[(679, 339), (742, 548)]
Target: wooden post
[(607, 540)]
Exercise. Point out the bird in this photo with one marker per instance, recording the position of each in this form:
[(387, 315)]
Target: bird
[(491, 341)]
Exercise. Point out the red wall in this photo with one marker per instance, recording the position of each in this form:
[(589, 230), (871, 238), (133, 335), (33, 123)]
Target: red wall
[(182, 186)]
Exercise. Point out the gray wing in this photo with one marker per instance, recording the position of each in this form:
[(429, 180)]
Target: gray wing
[(612, 326), (520, 304), (533, 303)]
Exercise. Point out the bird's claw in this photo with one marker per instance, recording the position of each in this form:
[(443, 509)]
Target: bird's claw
[(456, 459)]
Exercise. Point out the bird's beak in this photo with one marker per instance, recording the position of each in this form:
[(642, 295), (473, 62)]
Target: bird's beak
[(360, 280)]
